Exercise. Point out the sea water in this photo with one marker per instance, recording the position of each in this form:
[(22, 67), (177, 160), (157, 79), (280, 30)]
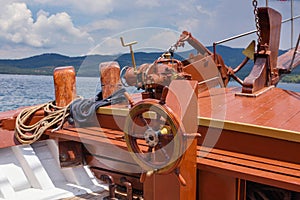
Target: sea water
[(26, 90)]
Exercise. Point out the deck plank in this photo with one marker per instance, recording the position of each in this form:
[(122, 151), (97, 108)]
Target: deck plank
[(276, 109)]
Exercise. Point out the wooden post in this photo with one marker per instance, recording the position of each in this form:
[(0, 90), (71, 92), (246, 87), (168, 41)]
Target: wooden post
[(65, 85), (65, 92), (110, 77), (182, 99)]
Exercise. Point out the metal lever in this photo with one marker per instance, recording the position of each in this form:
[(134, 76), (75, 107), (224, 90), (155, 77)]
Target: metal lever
[(128, 186), (112, 186), (131, 51), (164, 95), (180, 177)]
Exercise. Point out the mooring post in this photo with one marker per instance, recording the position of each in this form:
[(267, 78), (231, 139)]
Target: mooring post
[(65, 92), (64, 85), (110, 78)]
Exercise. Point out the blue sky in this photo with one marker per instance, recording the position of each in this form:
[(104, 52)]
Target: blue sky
[(70, 27)]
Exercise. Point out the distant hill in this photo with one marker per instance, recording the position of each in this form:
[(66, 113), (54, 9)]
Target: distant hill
[(85, 65), (89, 65)]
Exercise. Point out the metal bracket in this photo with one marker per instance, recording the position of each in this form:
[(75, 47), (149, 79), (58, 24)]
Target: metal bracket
[(128, 186), (112, 186), (131, 51), (70, 153)]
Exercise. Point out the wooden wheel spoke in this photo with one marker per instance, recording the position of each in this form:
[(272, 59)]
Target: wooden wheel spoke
[(150, 150), (137, 136), (167, 137), (164, 151), (149, 154), (144, 121)]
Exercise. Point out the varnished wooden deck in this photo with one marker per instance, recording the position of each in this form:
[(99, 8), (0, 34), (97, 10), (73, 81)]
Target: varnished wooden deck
[(277, 108), (276, 113)]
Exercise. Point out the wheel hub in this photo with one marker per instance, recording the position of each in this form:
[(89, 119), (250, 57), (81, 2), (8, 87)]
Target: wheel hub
[(151, 137)]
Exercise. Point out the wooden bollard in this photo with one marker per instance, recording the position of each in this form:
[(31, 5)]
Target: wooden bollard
[(110, 78), (65, 85), (65, 91)]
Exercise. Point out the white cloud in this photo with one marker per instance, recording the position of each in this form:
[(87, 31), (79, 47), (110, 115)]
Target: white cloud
[(149, 39), (162, 39), (109, 45), (106, 24), (191, 25), (89, 7), (13, 18), (92, 6), (58, 28), (17, 26), (204, 11), (42, 13)]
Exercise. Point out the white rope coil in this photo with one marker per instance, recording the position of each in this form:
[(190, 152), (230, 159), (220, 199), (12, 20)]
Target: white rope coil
[(54, 117)]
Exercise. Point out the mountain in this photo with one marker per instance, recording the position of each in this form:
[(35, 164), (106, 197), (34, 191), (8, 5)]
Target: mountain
[(85, 65), (89, 65)]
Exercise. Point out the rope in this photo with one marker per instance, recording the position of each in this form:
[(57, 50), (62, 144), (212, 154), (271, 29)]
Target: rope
[(54, 117), (80, 110), (83, 110)]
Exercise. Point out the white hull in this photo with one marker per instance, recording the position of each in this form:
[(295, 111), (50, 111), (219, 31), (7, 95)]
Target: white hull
[(33, 172)]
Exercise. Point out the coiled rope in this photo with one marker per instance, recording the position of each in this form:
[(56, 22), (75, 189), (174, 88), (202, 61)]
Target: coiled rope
[(54, 117), (79, 110)]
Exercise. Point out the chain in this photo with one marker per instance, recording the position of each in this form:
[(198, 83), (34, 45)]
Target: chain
[(254, 3)]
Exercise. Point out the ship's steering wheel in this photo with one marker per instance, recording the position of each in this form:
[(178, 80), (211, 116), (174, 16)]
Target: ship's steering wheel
[(154, 137)]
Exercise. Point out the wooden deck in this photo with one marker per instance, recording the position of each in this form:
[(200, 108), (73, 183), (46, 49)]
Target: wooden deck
[(277, 108), (276, 113)]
